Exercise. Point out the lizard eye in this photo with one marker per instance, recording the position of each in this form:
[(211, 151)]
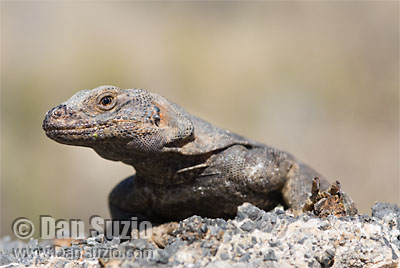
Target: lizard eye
[(107, 102), (157, 119)]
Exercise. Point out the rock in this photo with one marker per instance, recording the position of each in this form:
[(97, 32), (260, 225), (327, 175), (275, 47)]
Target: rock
[(270, 256), (255, 238), (248, 226), (380, 210)]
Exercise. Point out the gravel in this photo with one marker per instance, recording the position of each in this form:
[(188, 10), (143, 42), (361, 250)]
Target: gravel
[(255, 238)]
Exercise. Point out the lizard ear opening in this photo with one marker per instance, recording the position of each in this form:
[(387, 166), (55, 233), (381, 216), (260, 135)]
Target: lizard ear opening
[(170, 118)]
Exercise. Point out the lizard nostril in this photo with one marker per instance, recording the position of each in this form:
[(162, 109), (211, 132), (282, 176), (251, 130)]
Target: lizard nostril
[(58, 111)]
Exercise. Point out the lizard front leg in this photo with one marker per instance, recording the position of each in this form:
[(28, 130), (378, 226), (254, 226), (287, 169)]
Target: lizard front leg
[(126, 201)]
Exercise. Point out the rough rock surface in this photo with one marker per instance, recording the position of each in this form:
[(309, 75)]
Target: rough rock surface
[(255, 238)]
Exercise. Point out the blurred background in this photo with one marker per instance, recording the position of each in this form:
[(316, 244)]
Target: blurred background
[(317, 79)]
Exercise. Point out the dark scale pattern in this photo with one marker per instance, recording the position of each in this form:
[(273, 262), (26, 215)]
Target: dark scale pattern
[(184, 165)]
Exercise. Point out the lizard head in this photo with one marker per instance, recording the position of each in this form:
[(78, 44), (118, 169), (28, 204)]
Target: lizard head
[(117, 122)]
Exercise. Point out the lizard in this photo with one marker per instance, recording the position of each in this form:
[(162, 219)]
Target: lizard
[(184, 165)]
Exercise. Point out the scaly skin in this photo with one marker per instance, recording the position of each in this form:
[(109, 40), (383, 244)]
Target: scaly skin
[(184, 165)]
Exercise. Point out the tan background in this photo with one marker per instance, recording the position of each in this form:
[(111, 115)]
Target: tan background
[(318, 79)]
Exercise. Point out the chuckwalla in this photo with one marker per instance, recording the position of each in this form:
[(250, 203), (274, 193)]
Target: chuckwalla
[(184, 165)]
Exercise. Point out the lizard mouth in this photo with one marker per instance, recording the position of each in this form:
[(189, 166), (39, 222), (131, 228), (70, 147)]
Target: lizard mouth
[(90, 132), (68, 134), (70, 131)]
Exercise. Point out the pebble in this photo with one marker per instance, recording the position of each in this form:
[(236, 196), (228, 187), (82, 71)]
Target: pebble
[(248, 226), (270, 256)]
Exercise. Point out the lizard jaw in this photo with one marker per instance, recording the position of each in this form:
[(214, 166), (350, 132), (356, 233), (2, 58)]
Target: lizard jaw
[(80, 132), (56, 127), (72, 136)]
